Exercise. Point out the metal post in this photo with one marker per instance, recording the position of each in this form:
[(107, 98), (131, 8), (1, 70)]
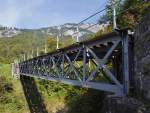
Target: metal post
[(32, 54), (12, 69), (45, 47), (57, 42), (58, 35), (28, 55), (63, 65), (24, 56), (125, 62), (77, 34), (37, 51), (114, 17), (84, 64)]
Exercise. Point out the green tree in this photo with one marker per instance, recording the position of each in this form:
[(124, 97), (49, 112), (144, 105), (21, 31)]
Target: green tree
[(51, 43), (133, 11), (109, 11), (128, 12)]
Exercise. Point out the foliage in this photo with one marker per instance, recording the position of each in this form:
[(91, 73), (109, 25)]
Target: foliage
[(26, 44), (133, 13), (51, 43), (76, 100), (84, 101), (11, 96), (109, 12), (5, 87), (128, 12), (107, 29), (12, 48)]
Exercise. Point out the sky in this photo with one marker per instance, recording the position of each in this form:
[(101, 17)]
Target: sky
[(43, 13)]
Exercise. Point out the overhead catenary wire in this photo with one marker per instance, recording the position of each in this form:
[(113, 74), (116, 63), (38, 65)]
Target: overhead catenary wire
[(89, 17), (118, 14), (121, 12), (101, 7), (127, 9), (98, 12), (86, 28), (92, 16)]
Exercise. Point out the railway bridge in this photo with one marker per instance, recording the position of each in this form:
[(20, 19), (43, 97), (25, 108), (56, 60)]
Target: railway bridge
[(103, 63)]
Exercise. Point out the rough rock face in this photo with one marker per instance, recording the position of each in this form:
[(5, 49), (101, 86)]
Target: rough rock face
[(123, 105), (141, 75), (142, 58)]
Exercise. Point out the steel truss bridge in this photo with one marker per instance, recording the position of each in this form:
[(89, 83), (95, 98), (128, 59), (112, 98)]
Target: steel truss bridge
[(102, 63)]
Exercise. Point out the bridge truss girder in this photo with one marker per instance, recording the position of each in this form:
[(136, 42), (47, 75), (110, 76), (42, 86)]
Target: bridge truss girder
[(73, 66)]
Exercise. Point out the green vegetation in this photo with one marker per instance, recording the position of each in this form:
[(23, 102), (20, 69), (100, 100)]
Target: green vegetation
[(13, 48), (129, 12), (11, 94), (26, 44), (58, 98)]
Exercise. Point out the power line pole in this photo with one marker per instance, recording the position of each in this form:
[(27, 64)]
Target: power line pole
[(24, 56), (58, 35), (45, 47), (37, 51), (57, 42), (114, 16), (32, 54), (77, 38), (28, 55)]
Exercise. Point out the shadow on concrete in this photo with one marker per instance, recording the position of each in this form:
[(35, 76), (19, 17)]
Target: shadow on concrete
[(33, 97)]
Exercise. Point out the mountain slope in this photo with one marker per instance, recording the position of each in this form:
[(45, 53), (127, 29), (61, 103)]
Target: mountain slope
[(68, 29)]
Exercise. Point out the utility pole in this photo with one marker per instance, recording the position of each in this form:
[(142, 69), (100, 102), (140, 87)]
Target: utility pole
[(45, 47), (37, 51), (77, 38), (58, 35), (24, 56), (32, 54), (114, 16), (57, 42), (28, 55)]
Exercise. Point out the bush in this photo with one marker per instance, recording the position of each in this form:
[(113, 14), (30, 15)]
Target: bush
[(4, 88)]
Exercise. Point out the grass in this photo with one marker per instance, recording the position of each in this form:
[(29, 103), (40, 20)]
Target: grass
[(56, 96), (15, 102)]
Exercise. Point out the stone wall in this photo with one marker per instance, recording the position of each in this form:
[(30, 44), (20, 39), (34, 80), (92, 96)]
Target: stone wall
[(139, 102), (142, 58), (123, 105)]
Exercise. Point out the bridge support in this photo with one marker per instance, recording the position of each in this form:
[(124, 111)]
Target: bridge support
[(125, 55)]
